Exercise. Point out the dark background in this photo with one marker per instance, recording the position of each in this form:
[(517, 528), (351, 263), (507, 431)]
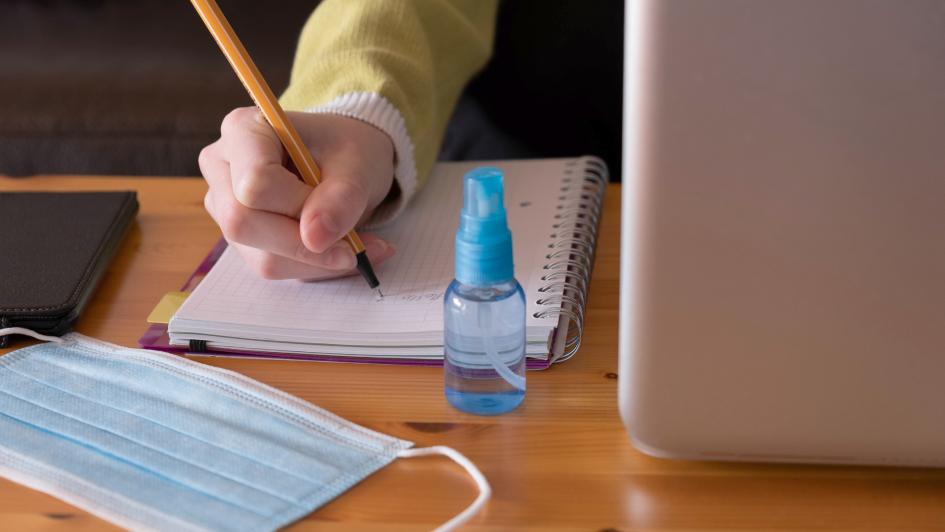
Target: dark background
[(138, 87)]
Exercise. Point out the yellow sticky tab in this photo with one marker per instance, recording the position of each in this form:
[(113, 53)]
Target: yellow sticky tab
[(167, 307)]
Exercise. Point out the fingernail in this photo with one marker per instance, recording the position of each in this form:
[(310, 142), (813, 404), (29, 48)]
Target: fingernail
[(341, 258)]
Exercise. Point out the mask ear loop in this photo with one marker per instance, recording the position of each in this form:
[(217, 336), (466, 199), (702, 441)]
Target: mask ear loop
[(27, 332), (485, 491)]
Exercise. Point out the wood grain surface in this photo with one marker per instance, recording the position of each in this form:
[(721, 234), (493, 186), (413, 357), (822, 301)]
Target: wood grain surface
[(560, 462)]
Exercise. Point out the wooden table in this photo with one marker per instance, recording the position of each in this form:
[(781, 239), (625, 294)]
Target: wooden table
[(560, 462)]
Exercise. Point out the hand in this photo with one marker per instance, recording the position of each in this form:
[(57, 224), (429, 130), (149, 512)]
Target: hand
[(283, 228)]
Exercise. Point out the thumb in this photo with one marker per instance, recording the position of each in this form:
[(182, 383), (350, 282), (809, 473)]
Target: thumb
[(330, 211)]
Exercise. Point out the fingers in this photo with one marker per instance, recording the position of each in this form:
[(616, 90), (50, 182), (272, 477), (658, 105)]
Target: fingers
[(256, 158), (275, 233), (279, 251), (270, 266), (267, 231), (331, 210)]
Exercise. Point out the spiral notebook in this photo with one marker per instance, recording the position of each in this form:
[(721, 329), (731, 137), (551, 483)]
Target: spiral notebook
[(553, 208)]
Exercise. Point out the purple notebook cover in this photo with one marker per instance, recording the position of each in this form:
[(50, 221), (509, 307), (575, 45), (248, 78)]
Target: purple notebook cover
[(155, 337)]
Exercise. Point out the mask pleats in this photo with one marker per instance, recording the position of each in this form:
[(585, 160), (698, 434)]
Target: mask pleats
[(122, 477)]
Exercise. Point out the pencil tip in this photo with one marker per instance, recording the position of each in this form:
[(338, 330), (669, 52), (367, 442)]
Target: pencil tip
[(378, 295)]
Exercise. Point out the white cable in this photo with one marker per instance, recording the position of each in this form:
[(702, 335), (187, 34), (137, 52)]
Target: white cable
[(485, 325), (485, 491), (26, 332)]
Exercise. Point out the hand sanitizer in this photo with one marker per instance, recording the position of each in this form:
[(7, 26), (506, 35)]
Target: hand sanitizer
[(484, 307)]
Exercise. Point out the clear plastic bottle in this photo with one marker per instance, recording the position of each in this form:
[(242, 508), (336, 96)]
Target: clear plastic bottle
[(484, 307)]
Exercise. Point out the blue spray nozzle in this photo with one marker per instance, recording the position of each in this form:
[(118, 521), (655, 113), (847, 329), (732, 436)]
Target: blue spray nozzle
[(483, 240), (482, 193)]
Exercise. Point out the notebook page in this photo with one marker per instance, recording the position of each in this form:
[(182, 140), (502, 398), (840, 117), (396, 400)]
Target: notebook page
[(344, 311)]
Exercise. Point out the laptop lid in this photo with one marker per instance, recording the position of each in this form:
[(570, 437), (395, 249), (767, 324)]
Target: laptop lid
[(783, 237)]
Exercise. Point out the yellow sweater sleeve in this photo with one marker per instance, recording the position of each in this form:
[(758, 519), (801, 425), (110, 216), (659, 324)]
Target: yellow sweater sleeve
[(397, 64)]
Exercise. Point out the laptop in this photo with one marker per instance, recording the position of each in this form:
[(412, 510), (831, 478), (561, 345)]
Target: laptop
[(783, 232)]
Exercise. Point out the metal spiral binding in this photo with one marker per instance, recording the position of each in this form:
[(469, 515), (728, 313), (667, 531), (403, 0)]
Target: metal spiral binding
[(572, 249)]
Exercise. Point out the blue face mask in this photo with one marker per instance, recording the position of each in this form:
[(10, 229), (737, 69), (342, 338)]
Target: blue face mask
[(150, 440)]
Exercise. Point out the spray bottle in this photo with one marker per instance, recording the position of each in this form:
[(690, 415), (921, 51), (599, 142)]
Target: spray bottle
[(484, 306)]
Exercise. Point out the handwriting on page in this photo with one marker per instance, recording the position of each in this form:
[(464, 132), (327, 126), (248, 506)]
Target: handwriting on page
[(432, 296)]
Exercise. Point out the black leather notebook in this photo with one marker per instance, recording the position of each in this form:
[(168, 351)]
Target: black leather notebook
[(54, 249)]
